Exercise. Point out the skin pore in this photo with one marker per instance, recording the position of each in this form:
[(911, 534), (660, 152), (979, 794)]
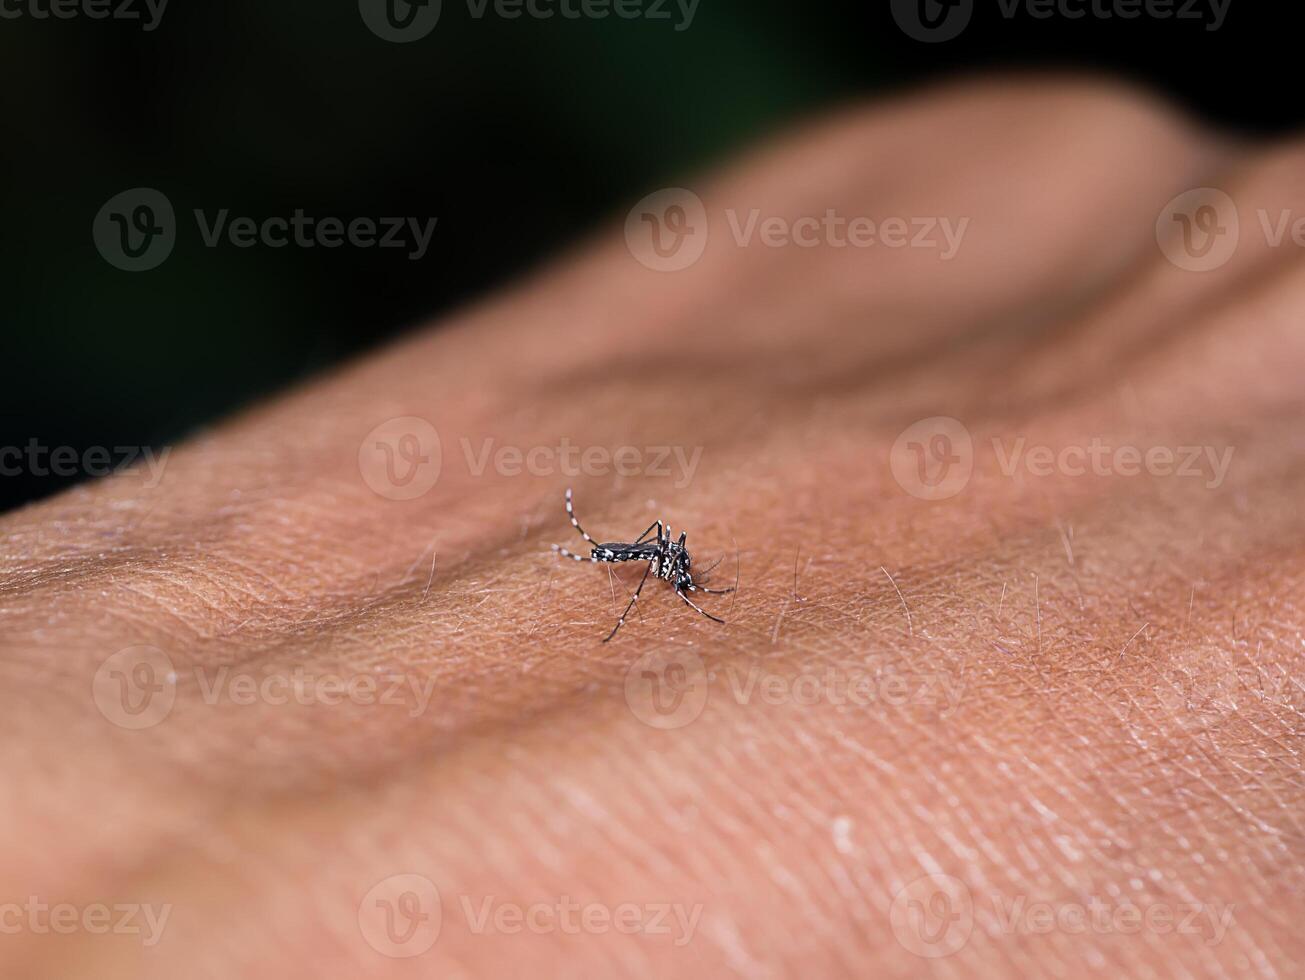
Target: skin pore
[(1070, 691)]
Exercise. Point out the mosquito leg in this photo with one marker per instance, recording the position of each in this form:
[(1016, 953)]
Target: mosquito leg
[(571, 554), (633, 599), (611, 580), (570, 512), (699, 588), (699, 608), (654, 525)]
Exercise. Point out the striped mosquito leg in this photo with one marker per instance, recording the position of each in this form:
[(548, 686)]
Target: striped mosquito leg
[(699, 608), (572, 555), (699, 588), (633, 599), (570, 512)]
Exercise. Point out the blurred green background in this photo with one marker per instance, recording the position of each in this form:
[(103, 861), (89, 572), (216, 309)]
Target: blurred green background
[(518, 135)]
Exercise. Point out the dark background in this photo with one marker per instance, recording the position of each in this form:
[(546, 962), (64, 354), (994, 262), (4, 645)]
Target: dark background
[(518, 135)]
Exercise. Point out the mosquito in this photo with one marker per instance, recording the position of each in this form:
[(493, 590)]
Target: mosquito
[(666, 559)]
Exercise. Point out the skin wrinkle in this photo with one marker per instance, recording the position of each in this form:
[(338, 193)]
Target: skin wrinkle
[(1076, 762)]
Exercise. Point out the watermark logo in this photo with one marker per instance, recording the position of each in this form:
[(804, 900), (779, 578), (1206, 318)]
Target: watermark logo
[(570, 460), (1212, 691), (400, 21), (400, 916), (1101, 458), (670, 689), (932, 21), (303, 687), (834, 230), (136, 230), (933, 916), (569, 917), (933, 459), (403, 21), (148, 12), (1210, 13), (307, 231), (649, 10), (1199, 230), (667, 689), (401, 459), (96, 461), (865, 686), (667, 230), (43, 918), (136, 687)]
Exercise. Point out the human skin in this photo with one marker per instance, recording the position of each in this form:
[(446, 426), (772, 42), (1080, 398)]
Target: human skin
[(1076, 690)]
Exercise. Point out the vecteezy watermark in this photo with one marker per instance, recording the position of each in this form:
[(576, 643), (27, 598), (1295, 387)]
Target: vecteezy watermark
[(839, 686), (568, 459), (681, 12), (138, 688), (935, 458), (402, 459), (934, 916), (1104, 459), (38, 459), (1210, 688), (302, 686), (933, 21), (1199, 230), (136, 230), (148, 12), (400, 21), (668, 689), (306, 231), (668, 230), (64, 918), (488, 916), (404, 21), (401, 916)]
